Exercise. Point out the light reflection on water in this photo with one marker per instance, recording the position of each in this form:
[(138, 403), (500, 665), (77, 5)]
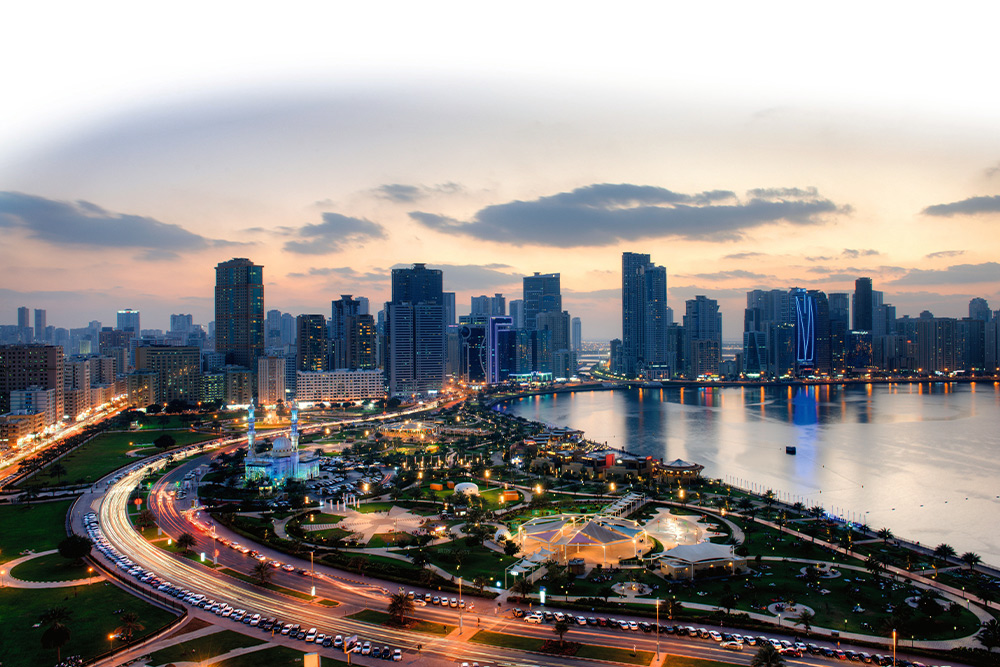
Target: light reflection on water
[(919, 459)]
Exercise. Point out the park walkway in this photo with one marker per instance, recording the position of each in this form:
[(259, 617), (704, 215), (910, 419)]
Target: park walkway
[(13, 582)]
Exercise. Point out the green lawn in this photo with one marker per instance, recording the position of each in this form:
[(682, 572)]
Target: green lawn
[(591, 651), (105, 453), (38, 526), (278, 656), (477, 560), (91, 622), (368, 508), (684, 661), (615, 654), (271, 587), (202, 648), (507, 641), (50, 568), (414, 625), (390, 540)]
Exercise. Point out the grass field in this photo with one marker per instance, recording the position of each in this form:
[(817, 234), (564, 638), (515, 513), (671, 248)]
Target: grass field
[(202, 648), (477, 561), (105, 453), (277, 656), (50, 568), (91, 622), (271, 587), (591, 651), (382, 618), (38, 526)]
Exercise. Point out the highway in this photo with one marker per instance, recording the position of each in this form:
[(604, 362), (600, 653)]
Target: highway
[(352, 594)]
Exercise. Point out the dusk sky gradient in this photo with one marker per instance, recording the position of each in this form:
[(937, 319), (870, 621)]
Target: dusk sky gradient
[(756, 147)]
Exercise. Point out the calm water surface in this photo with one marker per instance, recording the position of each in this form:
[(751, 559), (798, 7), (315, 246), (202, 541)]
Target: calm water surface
[(922, 460)]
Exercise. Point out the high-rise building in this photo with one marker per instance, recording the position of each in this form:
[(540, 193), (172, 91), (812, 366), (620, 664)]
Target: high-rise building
[(181, 323), (703, 336), (577, 334), (270, 380), (864, 305), (288, 329), (450, 316), (272, 329), (40, 325), (480, 305), (128, 320), (312, 343), (24, 317), (178, 370), (360, 343), (24, 366), (541, 295), (501, 342), (979, 309), (645, 316), (239, 311), (415, 346), (517, 313), (344, 314), (936, 348), (840, 324)]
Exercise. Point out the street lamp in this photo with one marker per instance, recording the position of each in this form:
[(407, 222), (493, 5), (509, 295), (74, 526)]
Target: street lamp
[(657, 628), (894, 646)]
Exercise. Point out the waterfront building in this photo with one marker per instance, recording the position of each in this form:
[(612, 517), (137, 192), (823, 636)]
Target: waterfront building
[(645, 315), (415, 350), (703, 333), (542, 294), (576, 338), (239, 311), (864, 305)]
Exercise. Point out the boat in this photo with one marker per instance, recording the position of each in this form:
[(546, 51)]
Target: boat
[(790, 449)]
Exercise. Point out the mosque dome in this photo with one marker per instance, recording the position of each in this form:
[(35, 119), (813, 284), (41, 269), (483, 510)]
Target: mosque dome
[(281, 446)]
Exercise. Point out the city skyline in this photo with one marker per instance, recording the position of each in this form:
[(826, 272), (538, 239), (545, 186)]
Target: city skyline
[(496, 169)]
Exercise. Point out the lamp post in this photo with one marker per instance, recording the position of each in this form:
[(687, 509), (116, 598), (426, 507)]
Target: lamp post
[(460, 608), (657, 628), (894, 647), (312, 572)]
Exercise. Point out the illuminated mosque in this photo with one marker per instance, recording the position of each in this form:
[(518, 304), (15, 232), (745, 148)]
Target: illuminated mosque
[(283, 462)]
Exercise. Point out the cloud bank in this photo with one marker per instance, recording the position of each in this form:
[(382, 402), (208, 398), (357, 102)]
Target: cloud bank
[(333, 234), (954, 275), (604, 214), (970, 206)]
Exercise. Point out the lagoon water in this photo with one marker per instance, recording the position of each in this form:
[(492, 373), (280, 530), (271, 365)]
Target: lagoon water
[(920, 459)]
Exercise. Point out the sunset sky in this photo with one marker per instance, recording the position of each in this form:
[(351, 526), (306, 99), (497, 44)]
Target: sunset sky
[(757, 147)]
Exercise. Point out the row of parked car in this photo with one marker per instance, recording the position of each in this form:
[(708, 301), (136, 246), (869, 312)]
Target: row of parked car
[(424, 599), (731, 641), (224, 609)]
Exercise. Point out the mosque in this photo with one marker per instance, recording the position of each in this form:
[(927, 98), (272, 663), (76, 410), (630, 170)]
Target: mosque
[(283, 462)]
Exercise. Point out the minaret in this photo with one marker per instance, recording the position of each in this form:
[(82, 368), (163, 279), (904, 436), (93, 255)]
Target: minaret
[(295, 439)]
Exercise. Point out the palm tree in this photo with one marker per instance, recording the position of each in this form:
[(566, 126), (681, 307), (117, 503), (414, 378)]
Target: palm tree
[(816, 511), (522, 587), (185, 541), (769, 498), (805, 619), (885, 535), (989, 635), (944, 551), (130, 625), (262, 573), (57, 634), (672, 607), (971, 559), (560, 628), (57, 470), (480, 581), (399, 606), (767, 656), (419, 557)]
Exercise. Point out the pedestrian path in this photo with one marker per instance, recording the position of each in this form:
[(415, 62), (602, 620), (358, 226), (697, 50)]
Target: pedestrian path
[(13, 582)]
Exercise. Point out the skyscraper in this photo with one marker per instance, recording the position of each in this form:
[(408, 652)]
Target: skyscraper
[(703, 336), (341, 310), (645, 315), (128, 320), (312, 343), (500, 347), (40, 325), (577, 335), (979, 309), (239, 311), (863, 305), (415, 349), (517, 313), (24, 317), (178, 371), (541, 294)]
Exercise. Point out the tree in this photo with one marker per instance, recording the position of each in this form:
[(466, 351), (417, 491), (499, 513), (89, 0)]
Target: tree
[(522, 587), (399, 606), (185, 541), (971, 559), (130, 625), (510, 547), (672, 607), (74, 547), (153, 409), (262, 572), (884, 534), (989, 635), (145, 519), (419, 558), (561, 628), (767, 656), (805, 619), (944, 551), (165, 441), (480, 581), (56, 634), (57, 470)]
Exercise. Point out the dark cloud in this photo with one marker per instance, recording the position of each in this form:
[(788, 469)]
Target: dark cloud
[(993, 171), (474, 277), (83, 223), (954, 275), (820, 258), (333, 234), (854, 254), (970, 206), (603, 214), (944, 253), (343, 272), (407, 194), (745, 255), (726, 275)]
